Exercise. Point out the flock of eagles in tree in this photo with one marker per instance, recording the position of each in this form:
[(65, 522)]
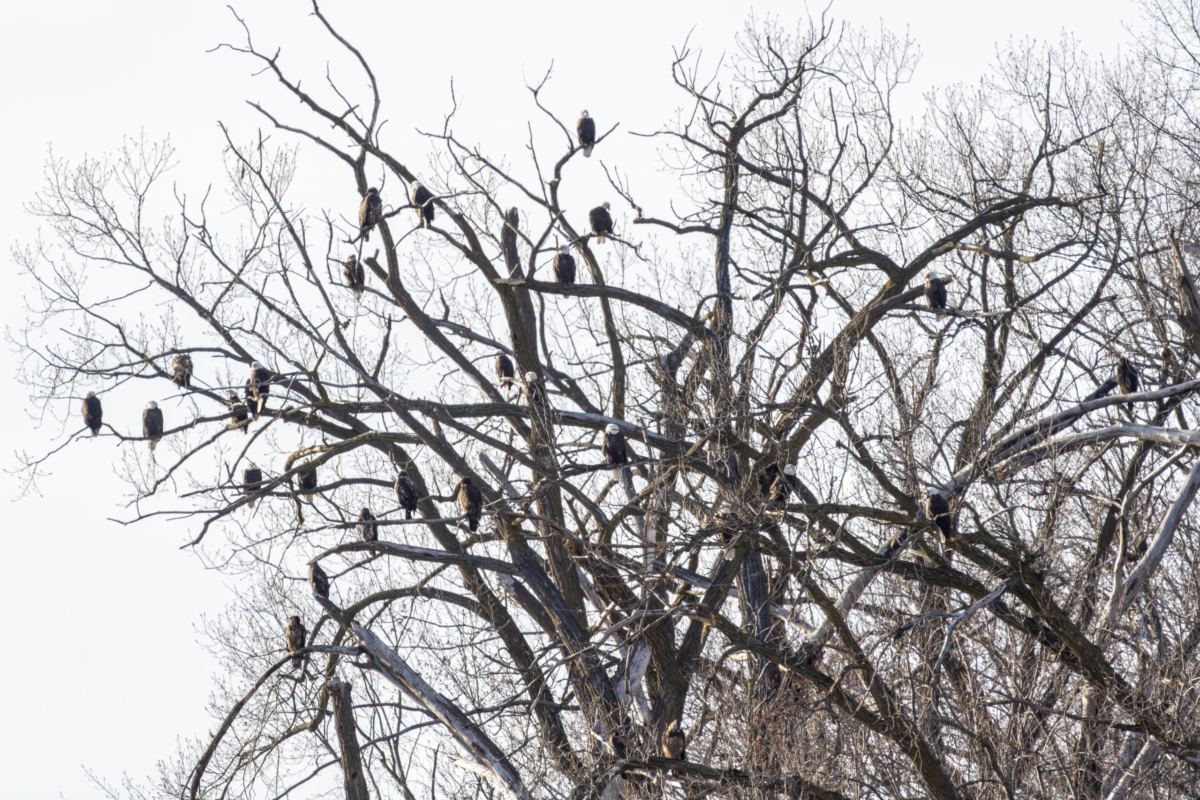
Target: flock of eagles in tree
[(775, 484)]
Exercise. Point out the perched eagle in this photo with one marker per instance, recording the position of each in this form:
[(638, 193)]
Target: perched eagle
[(422, 199), (602, 225), (471, 501), (406, 494), (307, 482), (935, 291), (535, 393), (252, 481), (586, 128), (318, 580), (674, 744), (504, 370), (295, 639), (152, 423), (257, 388), (1127, 378), (181, 371), (355, 277), (93, 413), (937, 511), (564, 267), (614, 447), (784, 485), (766, 480), (370, 211), (240, 411), (366, 529)]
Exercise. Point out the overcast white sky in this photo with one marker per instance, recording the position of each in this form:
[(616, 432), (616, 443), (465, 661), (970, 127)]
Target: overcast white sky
[(102, 666)]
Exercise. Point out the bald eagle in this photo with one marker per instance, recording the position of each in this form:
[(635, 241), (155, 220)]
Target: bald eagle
[(152, 423), (564, 267), (240, 411), (422, 198), (470, 499), (614, 447), (318, 580), (535, 393), (504, 370), (406, 494), (937, 511), (93, 413), (355, 277), (935, 291), (307, 482), (181, 371), (252, 481), (257, 388), (295, 638), (368, 531), (370, 211), (586, 128), (674, 743), (1127, 379), (602, 224), (784, 484)]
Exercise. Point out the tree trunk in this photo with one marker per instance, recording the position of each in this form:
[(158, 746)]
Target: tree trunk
[(353, 777)]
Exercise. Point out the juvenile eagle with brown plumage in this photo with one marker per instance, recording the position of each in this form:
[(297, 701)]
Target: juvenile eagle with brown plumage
[(181, 371), (366, 527), (370, 211), (674, 743), (406, 494), (295, 639), (470, 499), (318, 580), (356, 277)]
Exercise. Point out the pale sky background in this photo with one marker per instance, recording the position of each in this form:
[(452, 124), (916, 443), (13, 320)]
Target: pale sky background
[(102, 664)]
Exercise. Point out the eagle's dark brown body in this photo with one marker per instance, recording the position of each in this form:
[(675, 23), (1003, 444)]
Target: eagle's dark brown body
[(406, 494), (370, 211), (602, 223), (586, 130), (240, 412), (181, 371), (356, 278), (564, 268), (935, 292), (307, 482), (366, 527), (152, 424), (470, 499), (937, 511), (615, 453), (1127, 379), (296, 636), (252, 480), (318, 580), (421, 197), (93, 413)]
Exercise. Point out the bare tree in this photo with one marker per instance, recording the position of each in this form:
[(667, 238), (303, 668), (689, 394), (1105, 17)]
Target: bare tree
[(771, 573)]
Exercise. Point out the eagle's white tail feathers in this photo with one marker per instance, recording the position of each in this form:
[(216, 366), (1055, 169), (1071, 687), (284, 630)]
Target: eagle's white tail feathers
[(601, 238), (587, 151)]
